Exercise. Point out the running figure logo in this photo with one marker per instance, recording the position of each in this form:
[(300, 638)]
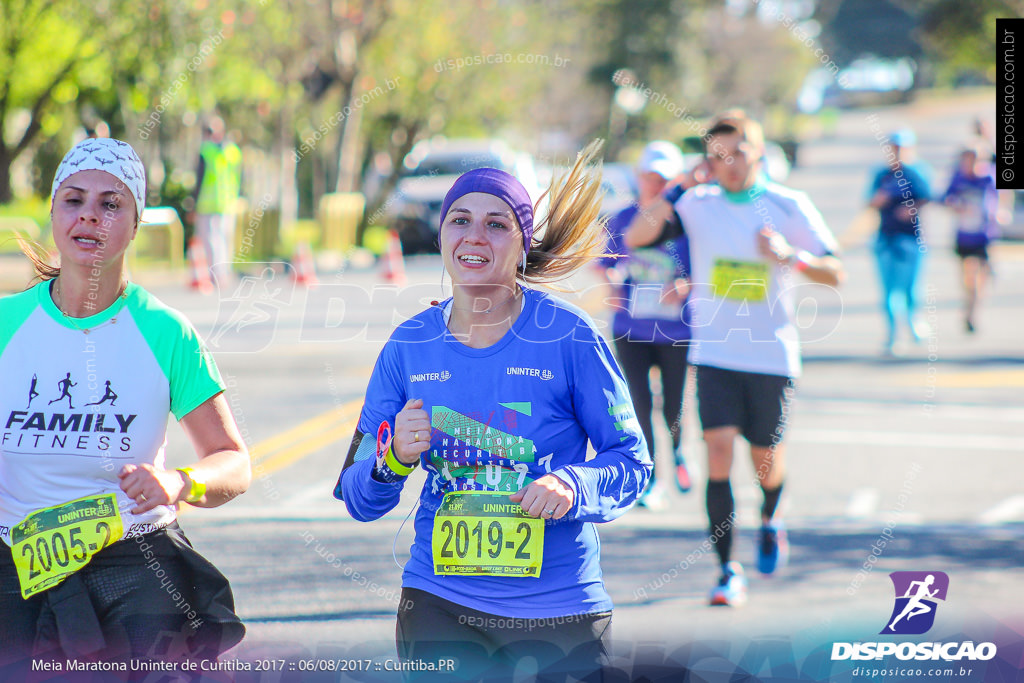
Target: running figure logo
[(65, 385), (916, 596), (32, 393), (108, 395)]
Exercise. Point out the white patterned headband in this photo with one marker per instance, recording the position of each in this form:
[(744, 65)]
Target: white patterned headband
[(105, 154)]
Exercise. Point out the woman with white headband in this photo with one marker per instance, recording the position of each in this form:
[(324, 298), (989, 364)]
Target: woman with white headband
[(497, 392), (93, 564)]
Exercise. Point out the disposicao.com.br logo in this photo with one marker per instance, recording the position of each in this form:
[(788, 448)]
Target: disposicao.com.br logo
[(916, 596), (916, 602)]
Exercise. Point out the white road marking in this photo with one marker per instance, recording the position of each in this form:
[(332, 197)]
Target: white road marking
[(944, 412), (1008, 510), (913, 440), (863, 503)]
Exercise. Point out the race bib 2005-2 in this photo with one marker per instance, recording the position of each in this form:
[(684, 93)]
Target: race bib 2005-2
[(483, 533), (51, 544)]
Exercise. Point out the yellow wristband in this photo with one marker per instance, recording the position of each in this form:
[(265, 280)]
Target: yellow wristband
[(198, 489), (396, 466)]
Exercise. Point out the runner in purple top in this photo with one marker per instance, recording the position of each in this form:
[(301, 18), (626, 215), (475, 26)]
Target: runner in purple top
[(973, 197), (651, 325)]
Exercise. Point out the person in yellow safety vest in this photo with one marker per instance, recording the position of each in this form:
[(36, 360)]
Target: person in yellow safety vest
[(218, 180)]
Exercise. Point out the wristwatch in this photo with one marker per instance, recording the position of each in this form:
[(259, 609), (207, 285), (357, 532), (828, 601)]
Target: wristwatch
[(197, 488)]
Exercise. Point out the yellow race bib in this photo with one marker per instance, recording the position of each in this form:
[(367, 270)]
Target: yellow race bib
[(51, 544), (483, 533), (740, 280)]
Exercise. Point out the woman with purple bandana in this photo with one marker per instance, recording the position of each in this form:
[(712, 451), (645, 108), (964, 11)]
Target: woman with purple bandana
[(496, 391)]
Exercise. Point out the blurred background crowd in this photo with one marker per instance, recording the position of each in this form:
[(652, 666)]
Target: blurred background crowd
[(353, 117)]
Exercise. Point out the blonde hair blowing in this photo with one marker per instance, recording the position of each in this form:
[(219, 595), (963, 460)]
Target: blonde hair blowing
[(40, 259), (572, 234)]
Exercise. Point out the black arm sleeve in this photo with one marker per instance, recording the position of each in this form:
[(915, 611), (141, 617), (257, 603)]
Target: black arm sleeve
[(672, 229)]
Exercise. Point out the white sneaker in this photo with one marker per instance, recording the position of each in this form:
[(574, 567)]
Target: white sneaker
[(920, 330), (653, 499)]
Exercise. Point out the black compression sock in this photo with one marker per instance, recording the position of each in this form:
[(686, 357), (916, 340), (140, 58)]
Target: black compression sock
[(720, 508), (771, 501)]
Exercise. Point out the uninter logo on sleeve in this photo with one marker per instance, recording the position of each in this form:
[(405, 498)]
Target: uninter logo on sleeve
[(442, 376), (530, 372)]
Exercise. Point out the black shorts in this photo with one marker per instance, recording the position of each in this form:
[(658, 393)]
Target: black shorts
[(485, 646), (151, 597), (975, 251), (756, 403)]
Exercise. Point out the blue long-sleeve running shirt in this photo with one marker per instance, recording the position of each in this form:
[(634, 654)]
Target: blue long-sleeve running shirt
[(502, 417)]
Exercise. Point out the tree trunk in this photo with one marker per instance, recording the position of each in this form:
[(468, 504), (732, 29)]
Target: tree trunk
[(348, 154), (6, 159), (373, 204), (288, 184), (319, 176)]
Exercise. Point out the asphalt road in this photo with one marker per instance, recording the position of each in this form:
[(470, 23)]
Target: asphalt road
[(921, 452)]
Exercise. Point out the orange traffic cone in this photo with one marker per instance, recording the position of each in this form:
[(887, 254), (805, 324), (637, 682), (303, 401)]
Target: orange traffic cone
[(198, 268), (393, 268), (303, 268)]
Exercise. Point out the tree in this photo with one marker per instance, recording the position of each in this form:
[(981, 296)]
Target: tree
[(642, 37), (458, 73), (46, 48), (947, 37), (960, 36)]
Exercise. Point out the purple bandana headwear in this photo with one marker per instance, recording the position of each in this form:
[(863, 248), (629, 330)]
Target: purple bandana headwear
[(502, 185)]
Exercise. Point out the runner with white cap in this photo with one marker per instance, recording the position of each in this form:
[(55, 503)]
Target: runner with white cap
[(650, 325)]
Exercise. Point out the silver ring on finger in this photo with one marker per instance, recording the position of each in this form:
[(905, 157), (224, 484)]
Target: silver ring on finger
[(549, 513), (142, 497)]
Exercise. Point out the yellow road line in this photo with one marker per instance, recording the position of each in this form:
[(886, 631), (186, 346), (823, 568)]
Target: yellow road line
[(301, 450), (304, 430), (302, 439), (982, 379), (1006, 251)]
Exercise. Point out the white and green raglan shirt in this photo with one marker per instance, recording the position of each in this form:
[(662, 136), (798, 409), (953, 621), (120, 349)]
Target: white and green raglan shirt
[(77, 406)]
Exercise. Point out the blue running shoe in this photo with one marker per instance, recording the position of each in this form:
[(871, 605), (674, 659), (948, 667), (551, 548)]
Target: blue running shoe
[(731, 590), (773, 550), (682, 473)]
